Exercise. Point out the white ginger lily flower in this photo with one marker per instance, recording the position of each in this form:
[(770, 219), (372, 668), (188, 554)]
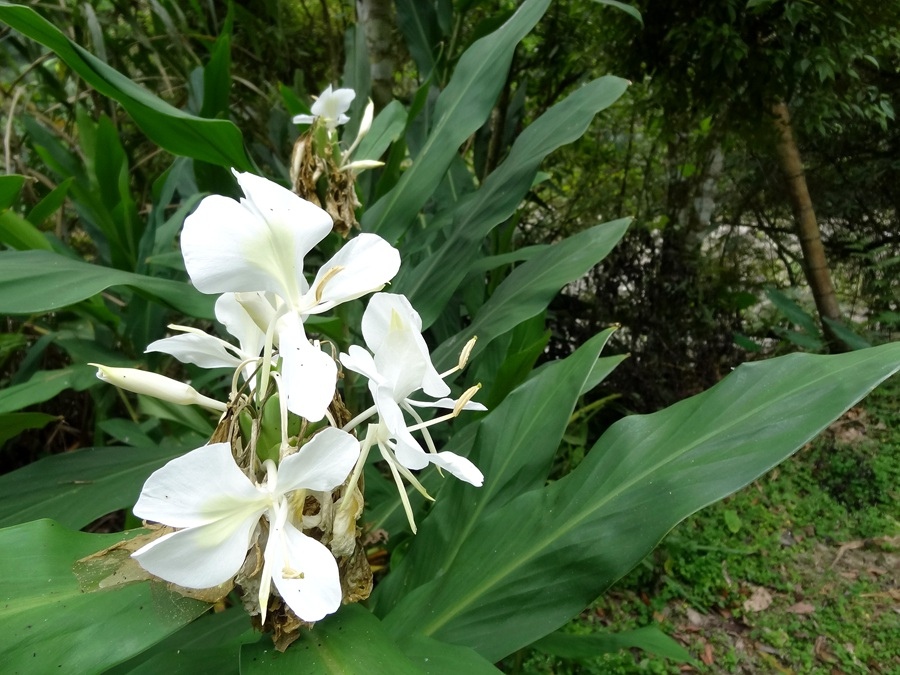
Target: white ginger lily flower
[(329, 107), (156, 385), (258, 245), (218, 509), (398, 366)]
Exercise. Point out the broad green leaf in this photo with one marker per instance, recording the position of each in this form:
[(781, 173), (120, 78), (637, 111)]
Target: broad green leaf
[(794, 313), (528, 567), (51, 625), (845, 335), (419, 24), (440, 658), (42, 281), (532, 285), (214, 141), (650, 638), (514, 449), (209, 644), (76, 488), (13, 424), (18, 233), (10, 187), (44, 385), (631, 11), (349, 642), (431, 284), (217, 73), (460, 110)]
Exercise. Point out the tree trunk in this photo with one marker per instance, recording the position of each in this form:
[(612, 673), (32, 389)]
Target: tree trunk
[(378, 20), (815, 266)]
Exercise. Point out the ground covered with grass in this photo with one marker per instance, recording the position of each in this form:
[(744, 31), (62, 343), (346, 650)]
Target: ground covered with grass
[(797, 573)]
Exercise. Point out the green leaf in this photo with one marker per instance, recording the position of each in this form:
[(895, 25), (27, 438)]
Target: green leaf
[(44, 385), (732, 520), (42, 281), (217, 73), (214, 141), (529, 566), (628, 9), (10, 187), (845, 335), (649, 638), (51, 625), (76, 488), (208, 645), (51, 203), (440, 658), (431, 284), (351, 641), (794, 313), (460, 110), (419, 24), (13, 424), (532, 285), (18, 233)]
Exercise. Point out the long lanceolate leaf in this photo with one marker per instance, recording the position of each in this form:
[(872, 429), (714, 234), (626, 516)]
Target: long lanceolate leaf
[(51, 625), (460, 110), (529, 566), (40, 281), (532, 285), (214, 141), (431, 284), (75, 488)]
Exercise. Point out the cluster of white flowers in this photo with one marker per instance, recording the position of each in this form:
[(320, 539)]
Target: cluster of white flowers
[(251, 253)]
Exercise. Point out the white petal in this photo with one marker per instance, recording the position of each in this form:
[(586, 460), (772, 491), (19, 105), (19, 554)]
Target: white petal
[(200, 349), (388, 312), (446, 403), (360, 361), (199, 488), (303, 119), (401, 364), (305, 574), (407, 450), (366, 263), (459, 466), (361, 165), (232, 314), (322, 464), (309, 375), (200, 557), (255, 245), (380, 313)]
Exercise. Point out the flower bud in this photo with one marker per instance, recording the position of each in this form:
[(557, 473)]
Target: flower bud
[(157, 386)]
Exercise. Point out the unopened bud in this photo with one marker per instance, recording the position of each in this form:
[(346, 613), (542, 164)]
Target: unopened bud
[(155, 385)]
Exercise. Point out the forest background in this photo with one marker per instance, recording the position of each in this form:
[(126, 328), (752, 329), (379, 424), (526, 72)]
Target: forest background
[(750, 132)]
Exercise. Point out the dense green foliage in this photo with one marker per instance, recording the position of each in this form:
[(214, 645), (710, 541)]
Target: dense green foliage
[(536, 199)]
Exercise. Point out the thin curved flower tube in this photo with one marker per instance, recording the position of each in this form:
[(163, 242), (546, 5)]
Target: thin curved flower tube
[(218, 510)]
